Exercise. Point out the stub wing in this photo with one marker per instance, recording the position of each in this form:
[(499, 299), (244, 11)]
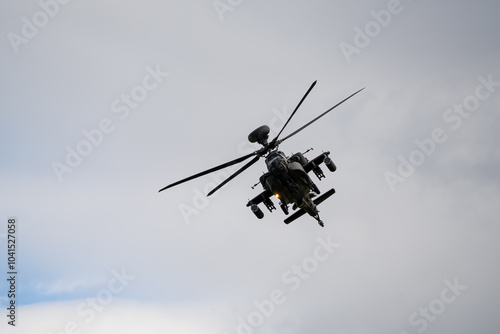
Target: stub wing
[(309, 166), (262, 197)]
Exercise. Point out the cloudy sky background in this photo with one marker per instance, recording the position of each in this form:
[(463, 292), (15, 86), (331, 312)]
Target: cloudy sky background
[(203, 273)]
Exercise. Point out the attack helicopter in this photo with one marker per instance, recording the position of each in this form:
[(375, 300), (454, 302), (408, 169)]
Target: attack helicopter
[(287, 178)]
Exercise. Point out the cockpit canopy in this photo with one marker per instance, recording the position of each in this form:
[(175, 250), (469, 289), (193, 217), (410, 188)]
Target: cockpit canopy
[(275, 157)]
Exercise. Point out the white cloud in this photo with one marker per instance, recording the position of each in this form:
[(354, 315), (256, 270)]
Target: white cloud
[(226, 78), (121, 316)]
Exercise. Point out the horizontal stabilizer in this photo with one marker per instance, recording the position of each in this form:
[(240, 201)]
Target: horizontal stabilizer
[(301, 212), (295, 215)]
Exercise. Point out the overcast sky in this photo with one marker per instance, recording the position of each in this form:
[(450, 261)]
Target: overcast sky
[(105, 102)]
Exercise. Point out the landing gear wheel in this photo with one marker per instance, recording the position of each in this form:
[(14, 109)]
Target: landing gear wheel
[(284, 208), (315, 188)]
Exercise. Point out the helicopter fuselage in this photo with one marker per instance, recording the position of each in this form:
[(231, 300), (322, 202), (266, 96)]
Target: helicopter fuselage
[(288, 180), (287, 177)]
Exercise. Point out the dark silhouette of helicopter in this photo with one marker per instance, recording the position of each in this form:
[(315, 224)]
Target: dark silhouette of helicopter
[(287, 178)]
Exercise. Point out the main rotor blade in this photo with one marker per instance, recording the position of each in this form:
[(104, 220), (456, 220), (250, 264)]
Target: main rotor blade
[(323, 114), (239, 171), (208, 171), (297, 107)]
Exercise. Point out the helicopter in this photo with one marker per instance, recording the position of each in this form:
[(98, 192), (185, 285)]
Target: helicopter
[(287, 178)]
